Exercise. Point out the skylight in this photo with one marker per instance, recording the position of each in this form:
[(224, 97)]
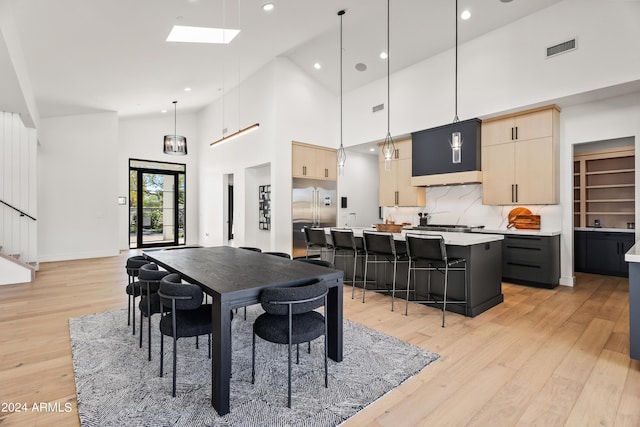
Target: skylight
[(180, 33)]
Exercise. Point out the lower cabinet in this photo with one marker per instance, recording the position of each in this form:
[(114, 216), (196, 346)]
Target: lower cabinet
[(602, 252), (531, 260)]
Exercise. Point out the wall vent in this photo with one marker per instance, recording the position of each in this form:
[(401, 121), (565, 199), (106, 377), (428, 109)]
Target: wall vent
[(378, 107), (563, 47)]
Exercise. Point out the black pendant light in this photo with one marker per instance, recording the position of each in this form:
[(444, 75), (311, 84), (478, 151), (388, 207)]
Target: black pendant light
[(342, 155), (388, 148), (175, 144), (456, 137)]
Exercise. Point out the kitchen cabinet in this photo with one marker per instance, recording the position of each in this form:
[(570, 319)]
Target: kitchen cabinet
[(602, 252), (531, 260), (604, 187), (520, 158), (310, 161), (395, 187)]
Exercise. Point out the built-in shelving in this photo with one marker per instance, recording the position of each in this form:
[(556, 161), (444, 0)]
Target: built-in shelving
[(604, 187)]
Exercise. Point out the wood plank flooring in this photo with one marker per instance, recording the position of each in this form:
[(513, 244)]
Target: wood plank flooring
[(543, 357)]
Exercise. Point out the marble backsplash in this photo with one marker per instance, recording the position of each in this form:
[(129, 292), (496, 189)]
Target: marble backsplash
[(462, 204)]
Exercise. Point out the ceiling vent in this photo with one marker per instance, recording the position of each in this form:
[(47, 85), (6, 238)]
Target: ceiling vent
[(378, 107), (563, 47)]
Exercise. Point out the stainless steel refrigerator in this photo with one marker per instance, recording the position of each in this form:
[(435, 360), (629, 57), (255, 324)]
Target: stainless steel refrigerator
[(314, 204)]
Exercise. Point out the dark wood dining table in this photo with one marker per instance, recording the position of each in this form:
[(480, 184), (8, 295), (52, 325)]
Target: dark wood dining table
[(234, 278)]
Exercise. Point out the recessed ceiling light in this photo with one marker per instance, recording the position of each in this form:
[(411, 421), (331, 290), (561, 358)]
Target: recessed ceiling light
[(317, 66), (163, 111), (383, 55), (372, 149), (268, 7), (361, 67), (465, 15), (187, 89), (180, 33)]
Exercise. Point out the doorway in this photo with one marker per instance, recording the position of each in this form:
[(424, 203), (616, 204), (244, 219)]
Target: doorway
[(157, 209)]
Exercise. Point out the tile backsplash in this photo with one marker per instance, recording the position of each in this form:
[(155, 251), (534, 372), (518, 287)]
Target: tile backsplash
[(462, 204)]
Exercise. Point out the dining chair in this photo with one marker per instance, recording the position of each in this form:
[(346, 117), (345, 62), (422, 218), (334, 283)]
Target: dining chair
[(290, 318), (149, 278), (250, 248), (185, 316), (314, 261), (133, 287), (432, 251), (345, 245), (280, 254), (380, 248)]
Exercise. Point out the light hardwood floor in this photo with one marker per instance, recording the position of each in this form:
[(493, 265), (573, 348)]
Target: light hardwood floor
[(543, 357)]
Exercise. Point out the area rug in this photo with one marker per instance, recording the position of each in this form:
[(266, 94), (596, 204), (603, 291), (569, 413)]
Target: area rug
[(116, 384)]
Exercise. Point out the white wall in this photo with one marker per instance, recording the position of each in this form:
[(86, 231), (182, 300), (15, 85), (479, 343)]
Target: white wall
[(505, 70), (610, 118), (142, 138), (359, 185), (289, 107), (77, 187)]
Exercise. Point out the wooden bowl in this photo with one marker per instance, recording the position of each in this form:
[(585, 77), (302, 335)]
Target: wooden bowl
[(389, 228)]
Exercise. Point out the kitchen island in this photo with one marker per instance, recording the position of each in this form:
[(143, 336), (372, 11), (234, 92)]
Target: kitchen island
[(483, 283)]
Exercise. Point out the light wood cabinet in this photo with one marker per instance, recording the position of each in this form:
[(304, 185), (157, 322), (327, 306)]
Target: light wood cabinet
[(310, 161), (520, 158), (604, 187), (395, 187)]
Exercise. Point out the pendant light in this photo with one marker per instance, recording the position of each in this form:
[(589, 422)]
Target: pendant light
[(342, 155), (248, 128), (175, 144), (456, 137), (388, 148)]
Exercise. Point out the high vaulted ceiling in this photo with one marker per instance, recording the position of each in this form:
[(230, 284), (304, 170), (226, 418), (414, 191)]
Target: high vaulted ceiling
[(85, 56)]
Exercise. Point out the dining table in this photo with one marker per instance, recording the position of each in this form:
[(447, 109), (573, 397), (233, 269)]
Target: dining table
[(234, 278)]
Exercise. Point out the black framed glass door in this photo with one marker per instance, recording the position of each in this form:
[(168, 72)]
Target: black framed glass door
[(157, 204)]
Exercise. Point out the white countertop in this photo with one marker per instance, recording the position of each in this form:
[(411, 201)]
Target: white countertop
[(521, 232), (633, 254), (608, 230), (450, 238)]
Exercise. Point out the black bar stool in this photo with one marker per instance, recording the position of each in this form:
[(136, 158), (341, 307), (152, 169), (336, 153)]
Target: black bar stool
[(345, 245), (316, 240), (381, 245), (431, 250)]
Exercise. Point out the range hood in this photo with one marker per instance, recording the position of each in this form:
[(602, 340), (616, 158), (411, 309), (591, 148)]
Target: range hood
[(431, 155)]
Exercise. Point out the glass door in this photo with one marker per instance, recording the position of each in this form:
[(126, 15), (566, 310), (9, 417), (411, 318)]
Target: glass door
[(157, 208)]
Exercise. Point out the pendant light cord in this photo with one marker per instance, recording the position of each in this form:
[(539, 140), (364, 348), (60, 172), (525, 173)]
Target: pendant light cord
[(175, 120), (456, 119), (341, 13), (388, 75)]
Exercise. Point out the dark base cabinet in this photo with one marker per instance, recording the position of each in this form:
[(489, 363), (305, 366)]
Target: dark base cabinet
[(531, 260), (483, 280), (601, 252)]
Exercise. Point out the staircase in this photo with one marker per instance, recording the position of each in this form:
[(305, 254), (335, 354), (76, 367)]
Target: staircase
[(18, 225)]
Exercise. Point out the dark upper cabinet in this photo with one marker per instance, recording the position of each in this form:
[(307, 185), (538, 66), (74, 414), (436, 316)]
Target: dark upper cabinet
[(432, 150)]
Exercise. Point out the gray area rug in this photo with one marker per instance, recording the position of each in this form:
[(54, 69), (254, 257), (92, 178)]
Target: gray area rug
[(116, 385)]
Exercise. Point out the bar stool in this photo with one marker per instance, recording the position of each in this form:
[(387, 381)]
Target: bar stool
[(344, 245), (316, 239), (381, 244), (431, 250), (133, 287)]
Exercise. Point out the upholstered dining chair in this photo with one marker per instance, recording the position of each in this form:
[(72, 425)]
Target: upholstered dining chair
[(280, 254), (250, 248), (133, 287), (149, 278), (290, 318), (183, 315), (315, 261)]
